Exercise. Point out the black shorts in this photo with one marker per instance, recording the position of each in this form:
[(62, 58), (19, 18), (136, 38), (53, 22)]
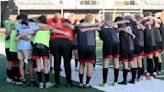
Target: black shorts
[(11, 56), (110, 50), (138, 51), (74, 47), (149, 50), (126, 56), (87, 54), (38, 53), (158, 47)]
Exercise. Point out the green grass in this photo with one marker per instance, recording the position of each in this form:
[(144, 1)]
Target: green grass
[(6, 87)]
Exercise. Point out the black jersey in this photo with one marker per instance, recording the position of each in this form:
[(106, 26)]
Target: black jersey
[(126, 40), (162, 34), (157, 35), (149, 39), (139, 33), (84, 39), (109, 35)]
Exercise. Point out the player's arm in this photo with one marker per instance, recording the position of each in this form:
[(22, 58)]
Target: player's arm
[(24, 36), (60, 32), (113, 24), (126, 31), (90, 29)]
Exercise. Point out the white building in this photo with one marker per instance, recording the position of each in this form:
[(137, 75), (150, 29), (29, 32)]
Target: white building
[(110, 8)]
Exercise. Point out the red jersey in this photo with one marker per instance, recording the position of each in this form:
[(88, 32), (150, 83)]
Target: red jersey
[(65, 29)]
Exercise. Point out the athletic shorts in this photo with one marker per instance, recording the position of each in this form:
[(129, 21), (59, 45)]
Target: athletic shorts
[(87, 54), (158, 48), (126, 56), (8, 54), (149, 50), (51, 48), (38, 53), (24, 54), (11, 56), (110, 50), (74, 47), (139, 51)]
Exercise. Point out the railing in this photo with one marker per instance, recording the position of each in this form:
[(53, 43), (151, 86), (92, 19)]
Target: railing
[(77, 4)]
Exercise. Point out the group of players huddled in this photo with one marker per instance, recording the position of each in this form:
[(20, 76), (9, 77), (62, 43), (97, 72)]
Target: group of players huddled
[(127, 39)]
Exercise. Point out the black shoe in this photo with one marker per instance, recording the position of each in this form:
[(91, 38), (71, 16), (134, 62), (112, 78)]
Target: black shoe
[(132, 82), (33, 83), (69, 85), (57, 85), (25, 84), (123, 83)]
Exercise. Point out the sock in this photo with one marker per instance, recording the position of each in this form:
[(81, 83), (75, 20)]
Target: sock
[(142, 70), (88, 79), (150, 66), (39, 76), (156, 63), (13, 73), (125, 73), (17, 74), (105, 74), (116, 72), (94, 65), (159, 67), (76, 63), (139, 72), (46, 77), (9, 73), (133, 70), (81, 77)]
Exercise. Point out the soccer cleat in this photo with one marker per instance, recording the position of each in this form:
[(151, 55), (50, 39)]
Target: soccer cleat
[(8, 80), (150, 78), (132, 82), (81, 85), (87, 86), (114, 84), (18, 83), (155, 74), (103, 85), (123, 83), (48, 85), (41, 85)]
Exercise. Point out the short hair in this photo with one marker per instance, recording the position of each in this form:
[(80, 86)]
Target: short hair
[(42, 19), (118, 18), (148, 13), (89, 18)]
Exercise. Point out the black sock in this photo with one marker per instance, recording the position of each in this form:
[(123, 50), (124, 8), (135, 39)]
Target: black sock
[(150, 66), (81, 78), (156, 63), (116, 72), (94, 65), (125, 73), (139, 72), (46, 76), (13, 73), (76, 63), (17, 74), (105, 74), (133, 70), (142, 70), (8, 73), (39, 76), (88, 79), (159, 67)]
